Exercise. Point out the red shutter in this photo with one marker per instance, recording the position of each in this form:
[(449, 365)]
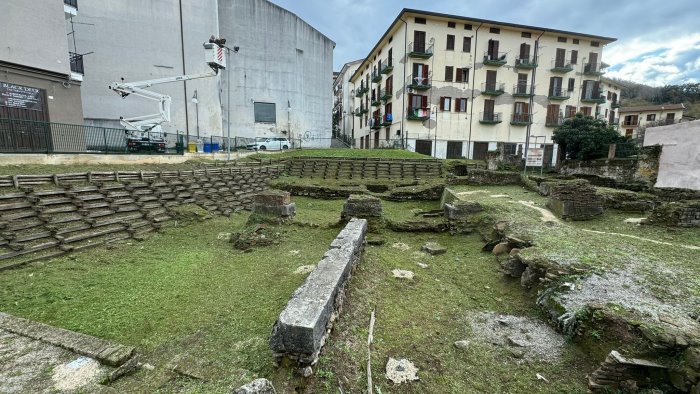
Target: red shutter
[(442, 103), (457, 104), (425, 101)]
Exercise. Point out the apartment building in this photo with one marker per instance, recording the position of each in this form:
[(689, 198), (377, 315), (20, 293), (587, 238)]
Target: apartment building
[(452, 86), (342, 101), (610, 109), (635, 119)]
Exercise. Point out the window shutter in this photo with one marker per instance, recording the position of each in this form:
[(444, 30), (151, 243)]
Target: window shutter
[(442, 103), (458, 77), (456, 100), (425, 101), (410, 100), (574, 57), (425, 71)]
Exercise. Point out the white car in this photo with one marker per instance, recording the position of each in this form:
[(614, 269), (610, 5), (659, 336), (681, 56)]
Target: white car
[(270, 144)]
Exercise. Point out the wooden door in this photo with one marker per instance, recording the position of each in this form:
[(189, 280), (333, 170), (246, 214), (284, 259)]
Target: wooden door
[(548, 155), (491, 80), (418, 41), (489, 106), (493, 49), (560, 59), (480, 150), (454, 149), (424, 147), (525, 52), (522, 84)]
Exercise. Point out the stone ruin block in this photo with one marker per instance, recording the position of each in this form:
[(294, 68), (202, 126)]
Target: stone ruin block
[(275, 203), (627, 374), (676, 214), (574, 200), (362, 206)]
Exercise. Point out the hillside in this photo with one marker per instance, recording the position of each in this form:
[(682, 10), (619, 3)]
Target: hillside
[(634, 94)]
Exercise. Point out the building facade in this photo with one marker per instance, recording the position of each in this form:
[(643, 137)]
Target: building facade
[(610, 109), (451, 86), (342, 102), (634, 120)]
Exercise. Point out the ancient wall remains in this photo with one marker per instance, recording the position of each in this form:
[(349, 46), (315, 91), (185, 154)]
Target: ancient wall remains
[(360, 168), (573, 200)]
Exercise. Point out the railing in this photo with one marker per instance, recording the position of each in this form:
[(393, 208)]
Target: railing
[(663, 122), (495, 58), (521, 119), (594, 68), (26, 136), (387, 119), (562, 66), (554, 121), (387, 66), (490, 117), (419, 82), (522, 90), (358, 112), (593, 97), (616, 104), (524, 62), (76, 63), (631, 122), (559, 93), (376, 76), (420, 113), (376, 122), (493, 88), (72, 3), (385, 94), (420, 50), (374, 101)]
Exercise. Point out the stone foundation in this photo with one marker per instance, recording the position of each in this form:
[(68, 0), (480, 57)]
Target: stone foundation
[(676, 214), (363, 206), (629, 374), (574, 200), (274, 203)]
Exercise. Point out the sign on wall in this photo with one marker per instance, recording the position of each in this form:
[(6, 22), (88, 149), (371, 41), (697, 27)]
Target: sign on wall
[(535, 157), (18, 96)]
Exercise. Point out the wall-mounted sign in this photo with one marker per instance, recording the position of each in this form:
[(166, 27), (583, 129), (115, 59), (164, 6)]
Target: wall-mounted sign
[(535, 157), (18, 96)]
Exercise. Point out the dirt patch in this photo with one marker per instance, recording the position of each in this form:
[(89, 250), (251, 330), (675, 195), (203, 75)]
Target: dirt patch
[(547, 215), (304, 269), (400, 246), (78, 373), (691, 247), (523, 337)]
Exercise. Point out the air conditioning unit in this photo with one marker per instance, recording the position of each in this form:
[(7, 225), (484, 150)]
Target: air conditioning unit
[(411, 90)]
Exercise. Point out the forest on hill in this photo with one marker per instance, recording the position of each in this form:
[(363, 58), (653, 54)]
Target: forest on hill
[(634, 94)]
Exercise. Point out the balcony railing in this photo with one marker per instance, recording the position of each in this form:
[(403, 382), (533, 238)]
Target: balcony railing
[(387, 119), (361, 91), (562, 66), (522, 90), (387, 66), (490, 117), (72, 3), (358, 112), (521, 119), (375, 102), (663, 122), (525, 62), (492, 88), (376, 76), (616, 104), (420, 113), (419, 82), (595, 97), (385, 94), (76, 63), (631, 122), (559, 94), (594, 68), (495, 59), (376, 122), (554, 121), (420, 50)]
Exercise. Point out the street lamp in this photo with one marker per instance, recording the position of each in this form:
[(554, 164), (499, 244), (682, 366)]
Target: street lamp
[(228, 99), (196, 107)]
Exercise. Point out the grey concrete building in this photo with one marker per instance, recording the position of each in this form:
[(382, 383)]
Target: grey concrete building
[(283, 63)]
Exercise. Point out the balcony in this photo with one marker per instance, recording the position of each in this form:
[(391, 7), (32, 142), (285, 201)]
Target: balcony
[(525, 63), (523, 90), (387, 120), (594, 97), (361, 91), (358, 112), (70, 8), (387, 66), (559, 94), (385, 95), (615, 104), (595, 69), (630, 122), (376, 76), (77, 70), (375, 102), (553, 121), (419, 82), (492, 88), (422, 113), (495, 59), (418, 50), (376, 122), (521, 119), (562, 66), (490, 117)]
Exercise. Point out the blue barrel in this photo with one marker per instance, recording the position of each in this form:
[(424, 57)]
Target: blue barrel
[(207, 148), (215, 147)]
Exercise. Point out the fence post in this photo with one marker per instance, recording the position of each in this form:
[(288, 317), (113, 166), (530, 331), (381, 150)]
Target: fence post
[(104, 136)]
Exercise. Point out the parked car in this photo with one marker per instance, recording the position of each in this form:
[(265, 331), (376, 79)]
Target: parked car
[(270, 144)]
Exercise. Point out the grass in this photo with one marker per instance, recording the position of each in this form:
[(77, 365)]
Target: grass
[(361, 153), (43, 169)]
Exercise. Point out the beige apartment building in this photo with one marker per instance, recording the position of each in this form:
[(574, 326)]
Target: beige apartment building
[(451, 86), (610, 109), (635, 119), (343, 100)]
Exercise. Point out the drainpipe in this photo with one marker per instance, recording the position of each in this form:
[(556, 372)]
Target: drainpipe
[(471, 114), (184, 71), (404, 135), (535, 55)]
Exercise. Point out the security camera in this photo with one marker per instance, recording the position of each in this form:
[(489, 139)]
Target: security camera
[(235, 49)]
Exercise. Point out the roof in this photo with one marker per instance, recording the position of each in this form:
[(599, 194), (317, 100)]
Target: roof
[(613, 82), (347, 66), (476, 20), (651, 108)]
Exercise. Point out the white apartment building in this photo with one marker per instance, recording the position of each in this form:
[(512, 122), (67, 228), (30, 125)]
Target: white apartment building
[(452, 86), (610, 109), (635, 119), (342, 101)]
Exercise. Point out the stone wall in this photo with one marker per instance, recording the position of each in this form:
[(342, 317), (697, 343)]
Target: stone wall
[(40, 223), (676, 214), (303, 326), (485, 177), (573, 200), (359, 168)]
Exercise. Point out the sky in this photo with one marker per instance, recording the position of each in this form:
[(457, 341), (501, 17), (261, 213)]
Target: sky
[(658, 41)]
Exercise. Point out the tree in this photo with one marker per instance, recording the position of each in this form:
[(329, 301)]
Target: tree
[(585, 138)]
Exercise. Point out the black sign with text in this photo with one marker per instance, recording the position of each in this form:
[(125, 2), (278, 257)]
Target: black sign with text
[(24, 97)]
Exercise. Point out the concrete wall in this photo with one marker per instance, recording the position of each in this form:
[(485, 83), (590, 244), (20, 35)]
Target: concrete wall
[(34, 34), (679, 165), (282, 60), (140, 40)]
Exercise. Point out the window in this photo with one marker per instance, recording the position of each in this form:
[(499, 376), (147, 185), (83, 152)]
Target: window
[(391, 38), (417, 101), (467, 26), (449, 73), (445, 103), (561, 39), (420, 21), (510, 149), (461, 105), (651, 117), (595, 44), (525, 35), (570, 111), (467, 44), (574, 56), (521, 87), (265, 112), (628, 133), (555, 88), (586, 111), (572, 84), (575, 41), (495, 30), (521, 112), (450, 42), (552, 114), (462, 75), (451, 25)]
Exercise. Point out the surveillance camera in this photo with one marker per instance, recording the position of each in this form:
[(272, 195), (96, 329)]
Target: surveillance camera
[(235, 49)]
